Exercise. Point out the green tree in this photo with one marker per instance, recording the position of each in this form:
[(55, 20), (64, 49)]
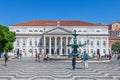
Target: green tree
[(116, 47), (7, 39)]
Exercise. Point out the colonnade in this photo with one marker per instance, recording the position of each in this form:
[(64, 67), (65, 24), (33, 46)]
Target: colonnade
[(57, 45)]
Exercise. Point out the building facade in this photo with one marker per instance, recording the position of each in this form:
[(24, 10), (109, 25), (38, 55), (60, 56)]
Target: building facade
[(114, 32), (114, 29), (52, 37)]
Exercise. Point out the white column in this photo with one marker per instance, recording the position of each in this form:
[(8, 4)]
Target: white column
[(101, 46), (44, 44), (55, 45), (49, 45), (107, 45), (66, 45), (27, 46), (95, 45), (60, 45), (20, 43)]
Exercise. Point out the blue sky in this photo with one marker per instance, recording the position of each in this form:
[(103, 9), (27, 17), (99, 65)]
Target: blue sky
[(95, 11)]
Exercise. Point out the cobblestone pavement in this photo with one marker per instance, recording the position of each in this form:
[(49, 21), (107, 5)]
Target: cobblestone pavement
[(28, 69)]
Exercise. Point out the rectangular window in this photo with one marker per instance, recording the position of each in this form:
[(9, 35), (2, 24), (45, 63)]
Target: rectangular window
[(91, 43), (35, 42), (85, 31), (104, 43), (23, 42), (30, 43), (98, 43)]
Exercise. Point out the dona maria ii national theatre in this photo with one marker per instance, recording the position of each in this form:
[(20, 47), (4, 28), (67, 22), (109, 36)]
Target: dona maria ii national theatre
[(53, 36)]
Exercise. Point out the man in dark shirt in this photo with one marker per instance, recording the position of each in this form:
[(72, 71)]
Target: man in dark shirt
[(73, 62), (6, 58)]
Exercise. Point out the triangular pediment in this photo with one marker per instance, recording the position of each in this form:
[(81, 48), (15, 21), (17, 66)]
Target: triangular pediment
[(58, 30)]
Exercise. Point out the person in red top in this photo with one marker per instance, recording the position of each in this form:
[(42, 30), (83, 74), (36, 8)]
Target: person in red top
[(99, 56)]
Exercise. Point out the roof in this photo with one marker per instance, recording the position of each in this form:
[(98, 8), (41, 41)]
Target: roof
[(117, 29), (56, 23)]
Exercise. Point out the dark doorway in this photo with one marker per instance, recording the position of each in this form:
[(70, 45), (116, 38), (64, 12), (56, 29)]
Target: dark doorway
[(57, 51), (47, 51), (98, 51), (62, 51), (52, 51)]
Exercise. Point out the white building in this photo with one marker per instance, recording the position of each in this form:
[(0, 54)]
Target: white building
[(52, 37)]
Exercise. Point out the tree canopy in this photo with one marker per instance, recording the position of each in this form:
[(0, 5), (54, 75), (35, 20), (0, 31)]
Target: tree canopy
[(116, 47), (7, 39)]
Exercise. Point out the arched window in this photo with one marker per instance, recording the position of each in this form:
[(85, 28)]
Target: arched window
[(35, 30), (17, 30), (91, 43), (41, 31), (97, 30), (35, 42), (30, 43), (98, 43), (30, 31), (104, 43), (40, 42), (79, 31)]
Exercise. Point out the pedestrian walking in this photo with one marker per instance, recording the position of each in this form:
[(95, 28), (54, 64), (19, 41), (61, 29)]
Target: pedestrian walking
[(85, 57), (6, 58), (99, 56), (48, 58), (20, 54), (36, 54), (73, 62), (110, 57)]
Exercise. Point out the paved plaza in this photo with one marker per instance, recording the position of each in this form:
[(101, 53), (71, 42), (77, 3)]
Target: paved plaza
[(28, 69)]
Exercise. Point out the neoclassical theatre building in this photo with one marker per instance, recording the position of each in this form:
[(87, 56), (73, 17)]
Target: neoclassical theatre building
[(52, 36)]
